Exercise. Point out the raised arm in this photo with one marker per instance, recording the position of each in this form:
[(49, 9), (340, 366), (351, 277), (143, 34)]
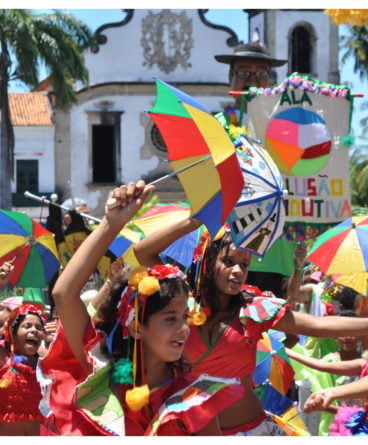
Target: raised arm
[(293, 293), (66, 292), (343, 367), (147, 250)]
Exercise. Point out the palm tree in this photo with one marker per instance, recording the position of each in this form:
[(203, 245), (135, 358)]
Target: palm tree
[(359, 176), (355, 44), (55, 40)]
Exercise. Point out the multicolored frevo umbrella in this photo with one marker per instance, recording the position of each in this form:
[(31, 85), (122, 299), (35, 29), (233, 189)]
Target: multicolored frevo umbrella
[(273, 364), (343, 248), (201, 154), (30, 247), (180, 251)]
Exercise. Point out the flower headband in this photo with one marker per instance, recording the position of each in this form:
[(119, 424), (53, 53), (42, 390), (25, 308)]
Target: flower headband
[(142, 283), (13, 319), (10, 323)]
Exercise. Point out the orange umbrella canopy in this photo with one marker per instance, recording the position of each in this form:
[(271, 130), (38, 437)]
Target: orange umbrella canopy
[(181, 251)]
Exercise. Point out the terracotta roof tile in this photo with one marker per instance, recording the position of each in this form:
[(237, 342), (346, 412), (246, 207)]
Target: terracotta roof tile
[(30, 109)]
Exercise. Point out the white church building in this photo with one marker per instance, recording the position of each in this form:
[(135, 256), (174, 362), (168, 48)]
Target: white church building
[(107, 138)]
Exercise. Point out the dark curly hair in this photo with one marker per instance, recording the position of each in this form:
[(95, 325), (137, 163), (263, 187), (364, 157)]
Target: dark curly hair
[(105, 319)]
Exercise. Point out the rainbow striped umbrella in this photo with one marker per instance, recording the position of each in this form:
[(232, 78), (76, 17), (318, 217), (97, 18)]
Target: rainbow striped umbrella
[(201, 154), (181, 251), (343, 248), (30, 247), (273, 364)]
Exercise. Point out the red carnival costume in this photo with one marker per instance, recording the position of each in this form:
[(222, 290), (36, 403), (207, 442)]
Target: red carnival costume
[(20, 399), (72, 409), (233, 353)]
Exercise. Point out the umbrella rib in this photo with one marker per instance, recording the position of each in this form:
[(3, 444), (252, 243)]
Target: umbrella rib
[(265, 180), (198, 161)]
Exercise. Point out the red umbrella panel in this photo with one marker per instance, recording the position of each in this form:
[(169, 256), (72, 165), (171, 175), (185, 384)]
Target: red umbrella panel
[(273, 364), (201, 153), (30, 247)]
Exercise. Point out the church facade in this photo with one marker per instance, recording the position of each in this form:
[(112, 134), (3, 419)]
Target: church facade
[(108, 138)]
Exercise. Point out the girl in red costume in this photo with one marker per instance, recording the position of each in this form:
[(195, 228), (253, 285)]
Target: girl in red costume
[(20, 393), (136, 342), (232, 322)]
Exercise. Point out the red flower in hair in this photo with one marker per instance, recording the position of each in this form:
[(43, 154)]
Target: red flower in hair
[(330, 310), (166, 271)]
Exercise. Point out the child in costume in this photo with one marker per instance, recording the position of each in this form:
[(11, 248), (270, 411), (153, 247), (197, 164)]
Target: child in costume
[(20, 393), (229, 323), (136, 342)]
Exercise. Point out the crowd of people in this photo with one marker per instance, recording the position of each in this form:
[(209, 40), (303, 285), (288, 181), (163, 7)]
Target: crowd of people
[(158, 351)]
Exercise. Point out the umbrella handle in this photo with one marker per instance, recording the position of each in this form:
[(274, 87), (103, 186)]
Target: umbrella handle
[(27, 243), (46, 201), (112, 202)]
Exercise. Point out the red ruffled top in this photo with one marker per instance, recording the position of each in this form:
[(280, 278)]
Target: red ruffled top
[(176, 413), (19, 401), (65, 372), (233, 353), (69, 416)]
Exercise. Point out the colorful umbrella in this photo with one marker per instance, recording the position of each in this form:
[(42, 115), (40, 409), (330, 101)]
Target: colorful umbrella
[(258, 217), (356, 280), (30, 247), (120, 245), (284, 410), (201, 154), (273, 364), (343, 248), (181, 251)]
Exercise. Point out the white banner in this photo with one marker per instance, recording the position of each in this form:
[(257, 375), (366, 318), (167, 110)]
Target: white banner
[(301, 123)]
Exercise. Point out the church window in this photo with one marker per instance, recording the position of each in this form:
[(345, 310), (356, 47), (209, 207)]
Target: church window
[(301, 50), (105, 146), (27, 175)]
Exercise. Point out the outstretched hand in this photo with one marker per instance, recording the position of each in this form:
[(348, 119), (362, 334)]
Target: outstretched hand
[(318, 401), (128, 199)]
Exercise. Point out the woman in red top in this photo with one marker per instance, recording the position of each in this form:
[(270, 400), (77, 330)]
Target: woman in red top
[(20, 393), (225, 344)]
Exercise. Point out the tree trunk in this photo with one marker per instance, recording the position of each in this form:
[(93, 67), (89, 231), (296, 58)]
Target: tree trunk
[(5, 161)]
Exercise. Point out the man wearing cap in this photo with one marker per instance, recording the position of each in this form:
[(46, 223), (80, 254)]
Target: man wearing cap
[(249, 66)]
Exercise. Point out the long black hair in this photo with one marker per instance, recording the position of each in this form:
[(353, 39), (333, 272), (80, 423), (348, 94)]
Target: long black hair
[(207, 292)]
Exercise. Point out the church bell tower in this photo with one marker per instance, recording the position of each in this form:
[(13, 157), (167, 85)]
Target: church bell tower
[(306, 38)]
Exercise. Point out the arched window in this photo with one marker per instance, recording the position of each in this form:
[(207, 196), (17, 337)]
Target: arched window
[(301, 50)]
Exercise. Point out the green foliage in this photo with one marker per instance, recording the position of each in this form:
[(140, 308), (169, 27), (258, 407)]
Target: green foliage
[(355, 45), (359, 176), (28, 41), (55, 40)]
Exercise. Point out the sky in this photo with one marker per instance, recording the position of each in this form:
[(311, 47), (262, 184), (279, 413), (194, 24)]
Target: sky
[(233, 18)]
